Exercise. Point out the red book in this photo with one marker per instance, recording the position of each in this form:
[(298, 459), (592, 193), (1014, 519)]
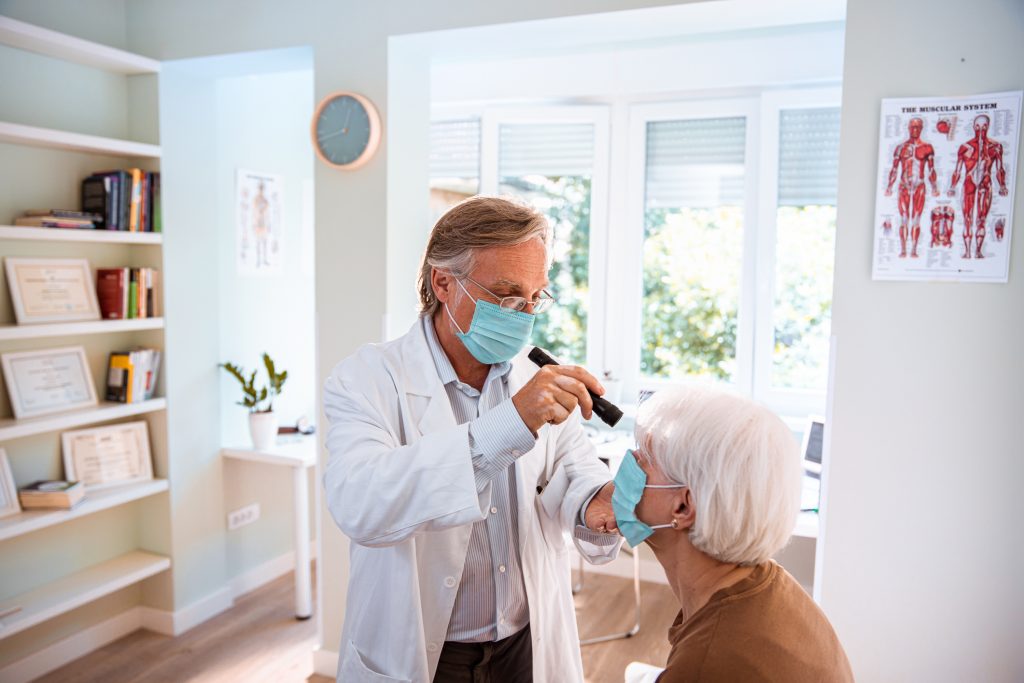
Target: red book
[(111, 287)]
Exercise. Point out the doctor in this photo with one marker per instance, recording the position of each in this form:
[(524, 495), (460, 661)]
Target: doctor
[(457, 468)]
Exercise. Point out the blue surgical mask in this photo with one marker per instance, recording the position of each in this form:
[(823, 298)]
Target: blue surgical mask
[(495, 334), (630, 482)]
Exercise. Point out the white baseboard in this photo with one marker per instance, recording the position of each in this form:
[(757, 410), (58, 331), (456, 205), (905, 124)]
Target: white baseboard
[(58, 654), (325, 662), (267, 572), (160, 621), (622, 566)]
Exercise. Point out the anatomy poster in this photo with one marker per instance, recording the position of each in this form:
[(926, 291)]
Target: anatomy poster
[(259, 205), (946, 172)]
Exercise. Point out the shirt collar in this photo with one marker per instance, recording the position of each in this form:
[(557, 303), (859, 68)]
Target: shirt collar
[(444, 366)]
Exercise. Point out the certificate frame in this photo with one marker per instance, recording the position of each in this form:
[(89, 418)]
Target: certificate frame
[(28, 401), (30, 310), (9, 504), (81, 445)]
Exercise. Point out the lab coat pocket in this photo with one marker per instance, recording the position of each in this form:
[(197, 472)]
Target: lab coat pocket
[(354, 669), (551, 496)]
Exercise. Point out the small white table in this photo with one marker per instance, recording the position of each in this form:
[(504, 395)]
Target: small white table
[(299, 454)]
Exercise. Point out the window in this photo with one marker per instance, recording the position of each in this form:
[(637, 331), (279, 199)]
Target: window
[(454, 163), (703, 249)]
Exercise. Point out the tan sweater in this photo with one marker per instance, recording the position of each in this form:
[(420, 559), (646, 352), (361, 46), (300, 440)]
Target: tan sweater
[(763, 628)]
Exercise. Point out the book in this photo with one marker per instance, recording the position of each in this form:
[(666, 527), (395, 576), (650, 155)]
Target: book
[(132, 375), (111, 293), (133, 295), (53, 222), (158, 224), (135, 205), (63, 495), (65, 213)]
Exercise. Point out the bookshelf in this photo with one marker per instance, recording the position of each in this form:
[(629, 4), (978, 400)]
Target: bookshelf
[(50, 161), (79, 588), (14, 232), (34, 520), (20, 134), (88, 327)]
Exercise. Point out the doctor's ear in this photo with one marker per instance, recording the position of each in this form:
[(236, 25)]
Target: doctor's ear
[(684, 514), (442, 282)]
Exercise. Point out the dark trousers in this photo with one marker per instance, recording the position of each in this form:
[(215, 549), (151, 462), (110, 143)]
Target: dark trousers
[(504, 661)]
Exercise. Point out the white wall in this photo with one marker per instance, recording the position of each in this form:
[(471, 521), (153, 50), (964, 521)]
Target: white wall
[(923, 550)]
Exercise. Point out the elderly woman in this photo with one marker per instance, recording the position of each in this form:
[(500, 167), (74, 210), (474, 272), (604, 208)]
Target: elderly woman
[(714, 489)]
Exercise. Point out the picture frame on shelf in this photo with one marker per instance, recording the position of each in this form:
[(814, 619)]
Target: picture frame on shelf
[(48, 381), (103, 457), (9, 504), (50, 290)]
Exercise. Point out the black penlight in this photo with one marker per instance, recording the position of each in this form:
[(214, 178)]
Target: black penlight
[(604, 409)]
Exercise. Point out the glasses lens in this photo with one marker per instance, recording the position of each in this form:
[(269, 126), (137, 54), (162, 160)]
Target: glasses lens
[(514, 303)]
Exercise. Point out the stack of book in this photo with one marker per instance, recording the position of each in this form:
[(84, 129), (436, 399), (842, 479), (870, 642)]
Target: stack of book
[(132, 375), (126, 200), (63, 495), (125, 293), (58, 218)]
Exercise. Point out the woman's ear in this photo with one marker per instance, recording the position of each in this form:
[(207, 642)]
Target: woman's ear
[(684, 514)]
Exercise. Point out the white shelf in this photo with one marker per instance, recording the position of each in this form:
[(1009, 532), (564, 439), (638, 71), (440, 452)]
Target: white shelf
[(806, 525), (69, 48), (92, 583), (77, 142), (17, 232), (40, 331), (11, 428), (34, 520)]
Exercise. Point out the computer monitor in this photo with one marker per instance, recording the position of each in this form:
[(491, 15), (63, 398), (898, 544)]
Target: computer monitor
[(814, 435)]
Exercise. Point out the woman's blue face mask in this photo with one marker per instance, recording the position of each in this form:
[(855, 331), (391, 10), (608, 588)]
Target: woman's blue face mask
[(630, 482), (495, 334)]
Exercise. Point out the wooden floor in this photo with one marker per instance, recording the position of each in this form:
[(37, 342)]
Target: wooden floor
[(259, 640)]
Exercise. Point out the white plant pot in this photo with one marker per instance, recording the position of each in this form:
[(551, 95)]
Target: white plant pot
[(263, 430)]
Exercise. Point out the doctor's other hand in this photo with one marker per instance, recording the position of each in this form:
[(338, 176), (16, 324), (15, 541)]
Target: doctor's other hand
[(553, 393), (600, 516)]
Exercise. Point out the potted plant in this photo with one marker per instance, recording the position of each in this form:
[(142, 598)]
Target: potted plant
[(260, 401)]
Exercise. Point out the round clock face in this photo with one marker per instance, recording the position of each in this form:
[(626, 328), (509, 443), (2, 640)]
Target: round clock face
[(346, 130)]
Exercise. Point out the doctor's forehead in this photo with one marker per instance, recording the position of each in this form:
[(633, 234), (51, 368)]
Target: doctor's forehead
[(522, 266)]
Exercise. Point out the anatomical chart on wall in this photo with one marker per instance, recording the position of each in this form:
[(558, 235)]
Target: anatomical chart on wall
[(259, 203), (946, 172)]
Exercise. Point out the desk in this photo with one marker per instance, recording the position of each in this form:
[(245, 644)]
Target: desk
[(299, 455)]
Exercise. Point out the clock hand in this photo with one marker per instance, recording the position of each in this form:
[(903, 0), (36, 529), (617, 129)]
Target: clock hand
[(348, 107), (321, 138)]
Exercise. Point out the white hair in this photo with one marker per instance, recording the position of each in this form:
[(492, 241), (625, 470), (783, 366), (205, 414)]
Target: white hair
[(740, 461)]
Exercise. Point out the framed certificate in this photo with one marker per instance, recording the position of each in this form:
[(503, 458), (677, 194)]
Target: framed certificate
[(51, 290), (49, 381), (101, 457), (8, 491)]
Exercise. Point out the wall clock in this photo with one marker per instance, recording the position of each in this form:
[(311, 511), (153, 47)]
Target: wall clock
[(346, 130)]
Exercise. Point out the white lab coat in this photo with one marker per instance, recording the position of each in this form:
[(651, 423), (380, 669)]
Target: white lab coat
[(399, 483)]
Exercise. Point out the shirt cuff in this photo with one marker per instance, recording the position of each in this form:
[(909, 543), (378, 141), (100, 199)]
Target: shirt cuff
[(584, 534), (496, 439)]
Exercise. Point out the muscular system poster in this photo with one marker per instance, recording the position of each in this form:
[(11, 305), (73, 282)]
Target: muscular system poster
[(946, 171)]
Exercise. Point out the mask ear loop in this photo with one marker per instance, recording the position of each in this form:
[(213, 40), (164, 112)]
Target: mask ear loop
[(448, 311)]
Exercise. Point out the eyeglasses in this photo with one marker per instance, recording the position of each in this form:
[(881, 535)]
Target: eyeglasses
[(518, 303)]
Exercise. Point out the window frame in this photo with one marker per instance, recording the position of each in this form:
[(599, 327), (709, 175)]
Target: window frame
[(628, 270), (491, 118), (618, 193), (782, 400)]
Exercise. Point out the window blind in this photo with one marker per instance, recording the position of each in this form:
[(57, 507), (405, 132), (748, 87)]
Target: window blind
[(695, 163), (550, 149), (455, 149), (808, 156)]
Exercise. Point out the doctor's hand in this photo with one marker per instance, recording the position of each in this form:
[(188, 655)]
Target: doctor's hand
[(553, 393), (600, 515)]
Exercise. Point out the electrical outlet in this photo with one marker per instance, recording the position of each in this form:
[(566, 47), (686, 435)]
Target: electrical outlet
[(243, 516)]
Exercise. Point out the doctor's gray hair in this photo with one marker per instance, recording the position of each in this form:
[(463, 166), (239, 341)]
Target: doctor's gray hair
[(476, 223), (740, 462)]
